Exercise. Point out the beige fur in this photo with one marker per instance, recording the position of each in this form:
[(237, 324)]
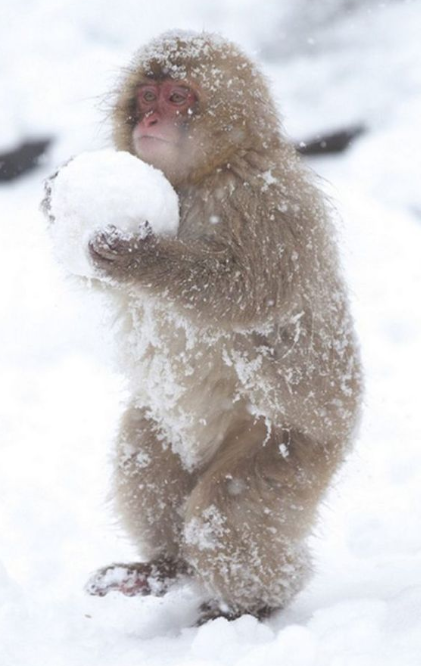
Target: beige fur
[(237, 341)]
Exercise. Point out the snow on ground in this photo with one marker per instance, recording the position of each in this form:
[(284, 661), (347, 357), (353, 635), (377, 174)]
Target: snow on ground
[(60, 399)]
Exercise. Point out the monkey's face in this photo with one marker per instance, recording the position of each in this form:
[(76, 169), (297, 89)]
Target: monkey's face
[(161, 134), (189, 104)]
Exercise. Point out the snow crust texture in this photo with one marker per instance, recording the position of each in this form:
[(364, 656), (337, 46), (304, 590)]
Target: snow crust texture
[(104, 189)]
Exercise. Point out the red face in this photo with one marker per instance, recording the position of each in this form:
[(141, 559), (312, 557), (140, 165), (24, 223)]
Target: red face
[(160, 136), (164, 109)]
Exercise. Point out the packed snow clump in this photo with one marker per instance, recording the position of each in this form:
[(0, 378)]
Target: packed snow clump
[(107, 188)]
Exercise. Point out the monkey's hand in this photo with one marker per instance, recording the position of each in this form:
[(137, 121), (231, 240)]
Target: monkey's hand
[(46, 202), (48, 193), (117, 253), (137, 579)]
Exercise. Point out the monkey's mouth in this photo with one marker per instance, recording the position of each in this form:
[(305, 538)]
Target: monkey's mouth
[(151, 137)]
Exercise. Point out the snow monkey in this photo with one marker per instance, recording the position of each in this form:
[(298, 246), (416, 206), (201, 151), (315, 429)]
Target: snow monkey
[(236, 338)]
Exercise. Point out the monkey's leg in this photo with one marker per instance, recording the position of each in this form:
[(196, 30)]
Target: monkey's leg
[(248, 518), (150, 488)]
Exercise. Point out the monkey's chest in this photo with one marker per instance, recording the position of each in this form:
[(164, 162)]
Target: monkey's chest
[(182, 380)]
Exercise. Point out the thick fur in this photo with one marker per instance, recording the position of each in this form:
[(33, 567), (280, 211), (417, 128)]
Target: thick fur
[(236, 338)]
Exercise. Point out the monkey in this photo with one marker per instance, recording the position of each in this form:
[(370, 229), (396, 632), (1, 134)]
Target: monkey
[(235, 336)]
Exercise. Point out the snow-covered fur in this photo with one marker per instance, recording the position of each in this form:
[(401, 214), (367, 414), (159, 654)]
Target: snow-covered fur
[(237, 341)]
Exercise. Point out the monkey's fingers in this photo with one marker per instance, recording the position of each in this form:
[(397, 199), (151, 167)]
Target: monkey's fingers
[(45, 206), (109, 244)]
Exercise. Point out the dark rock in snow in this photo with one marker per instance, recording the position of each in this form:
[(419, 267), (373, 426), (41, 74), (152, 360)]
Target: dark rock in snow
[(334, 142), (22, 159)]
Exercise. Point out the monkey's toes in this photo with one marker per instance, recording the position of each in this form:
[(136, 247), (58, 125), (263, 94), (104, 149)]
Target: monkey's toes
[(213, 609), (118, 578), (137, 578)]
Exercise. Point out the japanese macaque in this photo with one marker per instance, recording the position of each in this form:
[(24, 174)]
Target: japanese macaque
[(236, 338)]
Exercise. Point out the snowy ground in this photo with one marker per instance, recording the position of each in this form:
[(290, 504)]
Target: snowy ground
[(60, 400)]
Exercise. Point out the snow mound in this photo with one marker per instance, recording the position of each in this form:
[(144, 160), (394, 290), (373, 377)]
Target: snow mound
[(107, 188)]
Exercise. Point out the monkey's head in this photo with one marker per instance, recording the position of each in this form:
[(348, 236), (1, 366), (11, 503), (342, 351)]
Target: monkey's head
[(189, 103)]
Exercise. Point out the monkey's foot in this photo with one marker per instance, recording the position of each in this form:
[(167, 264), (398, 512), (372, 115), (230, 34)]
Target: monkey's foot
[(137, 578), (211, 610)]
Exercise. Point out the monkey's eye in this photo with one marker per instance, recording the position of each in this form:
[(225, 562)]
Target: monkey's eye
[(148, 96), (178, 98)]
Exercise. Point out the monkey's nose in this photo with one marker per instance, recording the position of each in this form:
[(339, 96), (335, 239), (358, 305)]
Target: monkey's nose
[(150, 120)]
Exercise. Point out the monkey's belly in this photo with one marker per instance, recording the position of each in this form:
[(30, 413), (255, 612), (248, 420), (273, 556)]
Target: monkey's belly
[(180, 378)]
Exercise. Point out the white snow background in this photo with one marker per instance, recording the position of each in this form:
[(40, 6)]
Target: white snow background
[(60, 399)]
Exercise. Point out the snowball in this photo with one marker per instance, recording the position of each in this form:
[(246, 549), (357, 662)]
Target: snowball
[(107, 188)]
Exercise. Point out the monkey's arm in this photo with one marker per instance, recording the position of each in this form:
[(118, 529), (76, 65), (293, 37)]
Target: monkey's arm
[(217, 280)]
